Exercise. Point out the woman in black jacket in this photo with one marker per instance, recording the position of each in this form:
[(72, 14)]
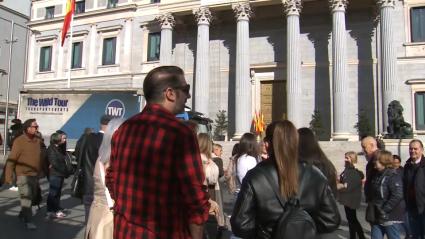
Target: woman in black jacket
[(258, 210), (311, 153), (387, 202), (350, 193), (57, 174)]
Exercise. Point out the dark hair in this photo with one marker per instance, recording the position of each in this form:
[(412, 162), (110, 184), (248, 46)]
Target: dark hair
[(235, 150), (417, 141), (55, 138), (159, 79), (310, 152), (27, 124), (284, 137), (248, 145), (395, 156), (104, 120)]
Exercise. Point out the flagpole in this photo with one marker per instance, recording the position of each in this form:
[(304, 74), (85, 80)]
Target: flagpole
[(70, 51)]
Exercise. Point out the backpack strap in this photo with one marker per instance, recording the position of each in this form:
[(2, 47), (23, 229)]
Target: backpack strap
[(274, 186)]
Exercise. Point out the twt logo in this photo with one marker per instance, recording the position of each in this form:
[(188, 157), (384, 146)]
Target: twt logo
[(115, 108)]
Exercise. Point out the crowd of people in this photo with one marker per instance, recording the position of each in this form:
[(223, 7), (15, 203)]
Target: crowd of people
[(154, 176)]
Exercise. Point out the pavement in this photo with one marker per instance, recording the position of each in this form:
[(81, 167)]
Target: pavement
[(72, 227)]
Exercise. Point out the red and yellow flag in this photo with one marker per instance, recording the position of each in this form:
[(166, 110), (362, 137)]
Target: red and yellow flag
[(259, 125), (70, 7)]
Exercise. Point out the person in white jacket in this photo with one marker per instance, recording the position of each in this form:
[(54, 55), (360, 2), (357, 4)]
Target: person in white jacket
[(247, 157)]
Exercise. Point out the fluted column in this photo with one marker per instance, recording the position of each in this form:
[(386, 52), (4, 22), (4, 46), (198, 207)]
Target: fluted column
[(243, 80), (167, 23), (292, 9), (339, 68), (92, 63), (202, 82), (388, 56)]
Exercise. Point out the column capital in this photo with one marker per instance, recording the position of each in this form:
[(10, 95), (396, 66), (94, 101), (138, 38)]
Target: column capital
[(203, 15), (338, 5), (385, 3), (242, 11), (166, 20), (292, 7)]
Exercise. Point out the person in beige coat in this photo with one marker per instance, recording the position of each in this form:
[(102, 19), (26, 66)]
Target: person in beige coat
[(100, 223)]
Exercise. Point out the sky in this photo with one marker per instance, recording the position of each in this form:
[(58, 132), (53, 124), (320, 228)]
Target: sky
[(22, 6)]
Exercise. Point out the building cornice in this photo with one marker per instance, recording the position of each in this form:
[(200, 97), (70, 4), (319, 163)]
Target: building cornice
[(89, 14), (15, 12)]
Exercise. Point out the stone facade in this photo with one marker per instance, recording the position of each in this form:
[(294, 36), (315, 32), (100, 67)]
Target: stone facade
[(338, 70)]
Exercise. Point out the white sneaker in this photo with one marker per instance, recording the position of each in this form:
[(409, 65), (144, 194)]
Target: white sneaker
[(60, 214), (30, 226), (14, 188)]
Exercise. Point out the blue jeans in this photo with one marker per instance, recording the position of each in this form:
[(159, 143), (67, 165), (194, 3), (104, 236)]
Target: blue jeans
[(392, 232), (55, 190), (417, 224)]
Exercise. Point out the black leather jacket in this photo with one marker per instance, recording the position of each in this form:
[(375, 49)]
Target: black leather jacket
[(87, 151), (257, 210)]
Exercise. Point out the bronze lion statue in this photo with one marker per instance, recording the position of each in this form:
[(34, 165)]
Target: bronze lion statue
[(397, 127)]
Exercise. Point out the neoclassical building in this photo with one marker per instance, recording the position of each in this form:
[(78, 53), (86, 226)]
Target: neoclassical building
[(286, 58)]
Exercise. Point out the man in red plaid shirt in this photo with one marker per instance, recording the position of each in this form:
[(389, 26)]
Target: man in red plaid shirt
[(155, 174)]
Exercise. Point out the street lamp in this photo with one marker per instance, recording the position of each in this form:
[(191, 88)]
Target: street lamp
[(10, 41), (2, 73)]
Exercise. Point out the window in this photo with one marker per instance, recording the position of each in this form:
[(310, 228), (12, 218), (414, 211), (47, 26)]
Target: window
[(109, 47), (45, 58), (80, 7), (417, 21), (154, 44), (50, 12), (77, 55), (112, 3), (420, 110), (155, 1)]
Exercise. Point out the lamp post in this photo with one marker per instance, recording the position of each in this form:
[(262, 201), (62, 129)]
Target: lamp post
[(2, 73), (11, 41)]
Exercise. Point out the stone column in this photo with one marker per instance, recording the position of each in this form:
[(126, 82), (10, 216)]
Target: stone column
[(126, 58), (31, 66), (292, 9), (202, 82), (243, 81), (167, 23), (60, 53), (93, 62), (388, 57), (341, 127)]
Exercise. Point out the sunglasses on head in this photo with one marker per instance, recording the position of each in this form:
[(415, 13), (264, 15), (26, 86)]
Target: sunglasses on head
[(184, 88)]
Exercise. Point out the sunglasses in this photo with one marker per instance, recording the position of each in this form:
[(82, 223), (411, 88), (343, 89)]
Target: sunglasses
[(184, 88)]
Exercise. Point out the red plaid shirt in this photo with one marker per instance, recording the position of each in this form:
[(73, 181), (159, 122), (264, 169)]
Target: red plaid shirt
[(155, 177)]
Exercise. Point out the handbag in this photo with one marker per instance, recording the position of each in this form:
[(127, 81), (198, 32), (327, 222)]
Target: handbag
[(77, 184)]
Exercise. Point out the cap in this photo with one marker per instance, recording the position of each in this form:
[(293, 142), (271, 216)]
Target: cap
[(105, 119)]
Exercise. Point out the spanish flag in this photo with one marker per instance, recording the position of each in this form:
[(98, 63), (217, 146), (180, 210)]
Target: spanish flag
[(70, 7)]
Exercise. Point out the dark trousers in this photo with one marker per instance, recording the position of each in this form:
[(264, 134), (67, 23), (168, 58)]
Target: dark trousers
[(417, 224), (353, 224), (55, 190)]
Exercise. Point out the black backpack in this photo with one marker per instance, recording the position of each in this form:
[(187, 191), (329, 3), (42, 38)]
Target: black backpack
[(295, 222)]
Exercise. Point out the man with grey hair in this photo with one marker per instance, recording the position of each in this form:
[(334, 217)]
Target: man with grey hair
[(370, 148), (414, 188)]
